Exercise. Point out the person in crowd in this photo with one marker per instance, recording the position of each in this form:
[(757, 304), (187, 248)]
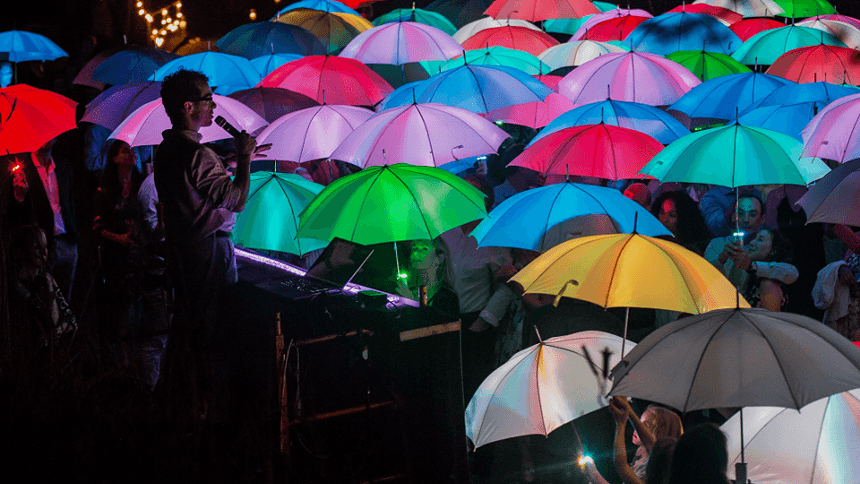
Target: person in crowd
[(639, 193), (700, 457), (5, 74), (770, 246), (717, 206), (660, 461), (681, 216)]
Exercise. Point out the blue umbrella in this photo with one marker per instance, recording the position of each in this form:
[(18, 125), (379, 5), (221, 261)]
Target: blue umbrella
[(269, 62), (229, 73), (321, 5), (540, 218), (258, 39), (671, 32), (480, 89), (111, 107), (133, 65), (818, 92), (636, 116), (20, 46), (787, 119), (765, 47)]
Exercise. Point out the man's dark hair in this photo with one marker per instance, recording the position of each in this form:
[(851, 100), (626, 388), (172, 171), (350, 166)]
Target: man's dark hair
[(177, 88), (752, 196)]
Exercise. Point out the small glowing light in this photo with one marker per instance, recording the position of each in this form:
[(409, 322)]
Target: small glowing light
[(168, 20), (252, 14), (178, 14), (403, 275), (499, 123), (141, 12), (16, 168), (164, 11), (585, 460), (163, 21), (163, 32), (182, 24), (178, 4), (139, 4), (148, 18), (154, 31), (159, 41)]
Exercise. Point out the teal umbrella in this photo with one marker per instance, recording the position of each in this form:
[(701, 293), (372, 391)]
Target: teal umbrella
[(605, 6), (392, 203), (271, 217), (495, 56), (765, 47), (426, 17), (565, 25)]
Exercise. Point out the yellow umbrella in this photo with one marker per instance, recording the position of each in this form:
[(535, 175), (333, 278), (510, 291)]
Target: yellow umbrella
[(333, 29)]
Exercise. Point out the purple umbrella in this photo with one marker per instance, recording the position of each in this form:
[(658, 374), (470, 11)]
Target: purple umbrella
[(628, 76), (273, 102), (312, 133), (109, 108), (834, 133), (398, 43), (132, 65), (428, 134)]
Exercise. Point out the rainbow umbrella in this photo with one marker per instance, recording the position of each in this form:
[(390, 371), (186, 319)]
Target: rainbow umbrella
[(832, 133), (673, 32), (534, 10), (272, 102), (413, 14), (227, 73), (260, 38), (518, 38), (829, 63), (30, 117), (400, 43), (708, 65), (766, 47), (332, 29)]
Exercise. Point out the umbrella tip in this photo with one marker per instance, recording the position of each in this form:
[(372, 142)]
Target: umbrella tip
[(538, 335)]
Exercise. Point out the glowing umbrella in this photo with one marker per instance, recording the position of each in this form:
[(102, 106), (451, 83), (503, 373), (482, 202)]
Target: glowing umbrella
[(577, 52), (133, 65), (322, 5), (617, 13), (330, 28), (30, 117), (804, 8), (765, 47), (672, 32), (260, 38), (21, 46), (534, 115), (616, 28), (748, 27), (708, 65), (519, 38), (832, 133), (413, 14), (838, 65), (483, 23), (272, 102), (227, 73), (401, 42), (499, 56), (111, 107), (534, 10), (725, 16), (267, 63)]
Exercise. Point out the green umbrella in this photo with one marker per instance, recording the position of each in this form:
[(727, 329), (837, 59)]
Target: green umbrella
[(271, 217), (495, 56), (804, 8), (413, 14), (765, 47), (734, 156), (565, 25), (392, 203), (707, 65)]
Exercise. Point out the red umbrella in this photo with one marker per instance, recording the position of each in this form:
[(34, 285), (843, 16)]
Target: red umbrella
[(746, 28), (828, 63), (273, 102), (592, 150), (724, 15), (30, 117), (330, 79), (520, 38), (617, 28), (534, 115), (534, 10)]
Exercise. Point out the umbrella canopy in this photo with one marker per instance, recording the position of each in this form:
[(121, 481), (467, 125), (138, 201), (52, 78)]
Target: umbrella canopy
[(541, 388), (322, 5), (564, 25), (21, 46), (833, 199), (766, 47), (534, 115), (272, 102), (829, 63), (270, 219), (425, 17), (840, 18), (30, 117), (747, 8), (227, 73), (652, 121), (428, 134), (708, 65), (629, 270), (804, 8), (146, 124), (260, 38), (832, 133), (269, 62), (615, 28), (629, 76), (133, 65), (483, 23), (787, 119), (748, 27), (576, 52), (595, 19), (593, 150), (330, 28), (672, 32), (759, 358), (518, 38), (753, 156), (821, 93), (401, 42), (844, 31), (111, 107), (534, 10), (724, 15), (816, 445), (392, 203), (541, 218), (330, 79), (312, 133), (500, 56), (85, 75), (550, 80)]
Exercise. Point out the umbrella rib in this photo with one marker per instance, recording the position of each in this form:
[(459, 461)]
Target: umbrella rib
[(538, 365), (363, 201), (504, 377), (818, 442), (615, 270), (308, 130), (702, 357), (412, 195), (478, 85), (427, 131), (293, 218), (548, 216), (683, 276), (778, 362), (549, 267), (603, 207)]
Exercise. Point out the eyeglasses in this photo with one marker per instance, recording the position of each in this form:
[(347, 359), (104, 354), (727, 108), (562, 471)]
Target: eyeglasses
[(204, 99)]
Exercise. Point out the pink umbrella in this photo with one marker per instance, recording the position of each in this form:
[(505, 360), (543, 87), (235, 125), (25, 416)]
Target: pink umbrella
[(592, 150), (312, 133), (746, 28), (144, 126), (398, 43), (550, 80), (534, 10), (273, 102), (834, 132), (331, 80), (828, 63), (629, 76), (608, 15), (520, 38), (425, 134), (534, 115)]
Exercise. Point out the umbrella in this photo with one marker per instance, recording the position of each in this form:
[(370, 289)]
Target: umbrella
[(542, 388), (270, 219), (748, 27), (413, 14), (332, 29), (401, 42), (639, 117), (724, 15), (484, 23), (30, 117), (616, 28), (816, 445), (672, 32), (833, 199), (766, 47), (85, 75), (427, 134), (839, 65), (269, 62), (617, 13), (564, 25), (840, 18), (272, 102), (820, 93), (145, 125), (133, 65), (519, 38), (392, 203), (804, 8), (630, 76), (260, 38), (330, 79), (534, 115), (21, 46), (541, 218), (550, 80), (747, 8), (499, 56), (832, 132), (708, 65), (783, 118), (228, 73), (593, 150), (753, 156), (322, 5), (111, 107), (312, 133), (534, 10), (576, 52), (846, 32), (629, 270)]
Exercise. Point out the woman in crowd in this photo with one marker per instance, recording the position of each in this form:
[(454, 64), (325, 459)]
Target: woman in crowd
[(769, 246), (681, 216)]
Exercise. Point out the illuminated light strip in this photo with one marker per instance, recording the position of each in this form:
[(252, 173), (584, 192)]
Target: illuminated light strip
[(168, 24)]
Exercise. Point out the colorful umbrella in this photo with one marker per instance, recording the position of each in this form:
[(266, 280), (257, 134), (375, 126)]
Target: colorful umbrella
[(20, 46), (564, 25), (747, 8), (499, 56), (748, 27), (330, 28), (260, 38), (616, 28), (846, 32), (312, 133), (751, 156), (227, 73), (519, 38), (833, 198), (534, 115), (146, 124), (321, 5), (787, 119), (401, 42), (629, 76), (549, 80), (804, 8), (608, 15), (832, 133), (576, 52), (541, 218), (724, 15), (391, 203), (534, 10), (821, 93), (330, 79), (420, 134), (267, 63), (766, 47), (133, 65), (111, 107), (30, 117), (425, 17), (270, 219), (85, 75), (708, 65), (272, 102), (829, 63), (484, 23), (593, 150), (840, 18), (672, 32)]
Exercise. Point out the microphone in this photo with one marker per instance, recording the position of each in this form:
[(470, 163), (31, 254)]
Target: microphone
[(229, 128)]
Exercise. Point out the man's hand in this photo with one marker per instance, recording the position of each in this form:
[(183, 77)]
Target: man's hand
[(741, 258), (246, 145)]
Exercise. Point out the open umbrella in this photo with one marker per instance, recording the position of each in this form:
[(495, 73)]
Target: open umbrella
[(616, 13), (272, 102), (334, 30), (85, 75), (227, 73), (534, 10), (672, 32), (483, 23), (708, 65), (426, 134), (844, 31), (419, 15), (499, 56), (765, 47), (748, 27), (519, 38), (564, 25), (576, 52), (321, 5), (30, 117), (21, 46), (615, 28), (840, 18), (401, 42), (804, 8), (260, 38), (724, 15), (392, 203), (534, 115), (132, 65), (747, 8), (269, 62), (832, 133), (111, 107), (829, 63), (833, 198), (787, 119)]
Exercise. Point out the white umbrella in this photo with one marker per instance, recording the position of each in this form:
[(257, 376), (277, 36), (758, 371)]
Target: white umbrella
[(473, 28)]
